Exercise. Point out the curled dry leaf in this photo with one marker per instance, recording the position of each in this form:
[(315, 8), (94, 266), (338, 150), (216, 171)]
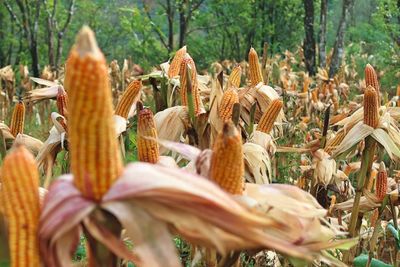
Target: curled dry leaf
[(257, 164), (32, 144), (178, 117)]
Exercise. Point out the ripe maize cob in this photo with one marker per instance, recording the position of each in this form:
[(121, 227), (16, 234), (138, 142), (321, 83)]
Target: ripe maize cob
[(381, 182), (229, 98), (175, 65), (268, 119), (234, 77), (334, 142), (314, 96), (254, 68), (125, 103), (371, 79), (148, 149), (188, 62), (62, 102), (95, 156), (306, 83), (301, 182), (371, 115), (18, 118), (20, 199), (227, 164)]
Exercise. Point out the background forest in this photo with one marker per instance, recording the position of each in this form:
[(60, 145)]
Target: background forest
[(39, 33)]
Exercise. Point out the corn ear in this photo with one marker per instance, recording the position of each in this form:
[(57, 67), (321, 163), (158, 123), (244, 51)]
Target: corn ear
[(18, 119), (95, 157), (130, 94), (314, 96), (147, 145), (334, 142), (20, 199), (176, 62), (381, 182), (188, 62), (266, 123), (234, 77), (371, 79), (229, 98), (254, 68), (227, 165), (62, 102), (371, 115)]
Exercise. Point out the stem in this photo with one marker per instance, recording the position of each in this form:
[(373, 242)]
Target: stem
[(374, 237), (3, 149), (250, 127), (366, 162), (164, 92), (394, 215), (189, 94), (99, 255)]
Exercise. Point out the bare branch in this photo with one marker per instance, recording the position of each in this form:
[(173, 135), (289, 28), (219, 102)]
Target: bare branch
[(155, 28), (70, 14)]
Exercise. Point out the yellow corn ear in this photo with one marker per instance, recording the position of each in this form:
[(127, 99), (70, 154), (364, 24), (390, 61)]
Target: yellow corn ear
[(229, 99), (176, 62), (306, 84), (381, 182), (95, 157), (334, 142), (234, 77), (62, 102), (20, 199), (314, 96), (148, 149), (371, 114), (188, 62), (254, 68), (130, 94), (17, 119), (371, 79), (227, 164), (266, 123)]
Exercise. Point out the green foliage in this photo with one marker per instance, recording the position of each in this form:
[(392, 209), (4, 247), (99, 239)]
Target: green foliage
[(361, 261)]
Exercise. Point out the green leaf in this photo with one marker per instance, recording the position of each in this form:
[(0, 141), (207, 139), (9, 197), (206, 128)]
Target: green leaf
[(395, 234), (362, 260)]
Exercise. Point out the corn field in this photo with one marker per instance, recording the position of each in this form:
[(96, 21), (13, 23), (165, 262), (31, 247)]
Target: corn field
[(249, 164)]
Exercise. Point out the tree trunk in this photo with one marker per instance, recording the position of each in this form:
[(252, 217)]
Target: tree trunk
[(61, 34), (322, 33), (182, 23), (309, 41), (338, 48), (2, 37), (170, 15), (50, 42), (251, 34)]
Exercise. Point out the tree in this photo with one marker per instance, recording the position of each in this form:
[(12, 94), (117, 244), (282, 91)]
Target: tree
[(309, 41), (338, 48), (53, 28), (322, 33), (28, 20)]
